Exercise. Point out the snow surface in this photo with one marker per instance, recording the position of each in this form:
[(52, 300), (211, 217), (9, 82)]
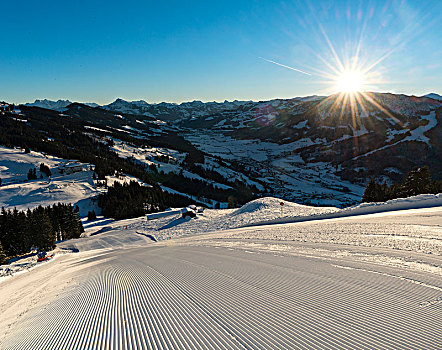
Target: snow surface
[(362, 281), (418, 134), (18, 192), (281, 168)]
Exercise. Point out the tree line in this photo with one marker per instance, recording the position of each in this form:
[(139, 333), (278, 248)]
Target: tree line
[(417, 181), (130, 200), (39, 228)]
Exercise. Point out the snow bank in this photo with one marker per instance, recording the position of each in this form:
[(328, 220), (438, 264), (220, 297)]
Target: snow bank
[(29, 262), (263, 211), (414, 202), (210, 220), (269, 208)]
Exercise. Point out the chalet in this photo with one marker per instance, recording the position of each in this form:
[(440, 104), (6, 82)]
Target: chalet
[(70, 168), (188, 212)]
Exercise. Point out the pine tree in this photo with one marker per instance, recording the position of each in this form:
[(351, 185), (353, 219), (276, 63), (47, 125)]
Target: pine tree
[(394, 191), (418, 181), (91, 215), (436, 187), (370, 192), (30, 175), (41, 229), (3, 257)]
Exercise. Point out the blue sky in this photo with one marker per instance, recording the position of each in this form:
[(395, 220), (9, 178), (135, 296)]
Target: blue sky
[(206, 50)]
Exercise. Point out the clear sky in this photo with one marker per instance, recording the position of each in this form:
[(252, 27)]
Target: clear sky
[(96, 51)]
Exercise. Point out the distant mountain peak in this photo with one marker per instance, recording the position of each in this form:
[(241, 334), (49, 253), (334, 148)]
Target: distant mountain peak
[(434, 96), (48, 104), (56, 105)]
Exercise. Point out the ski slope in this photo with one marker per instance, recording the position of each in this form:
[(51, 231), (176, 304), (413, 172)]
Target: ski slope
[(370, 281)]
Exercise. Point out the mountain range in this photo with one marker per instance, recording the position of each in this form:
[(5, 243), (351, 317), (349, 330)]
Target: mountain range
[(56, 105), (164, 109), (312, 150)]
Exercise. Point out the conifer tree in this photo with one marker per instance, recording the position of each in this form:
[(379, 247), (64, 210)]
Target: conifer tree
[(370, 192), (3, 257), (41, 229), (418, 181), (30, 175)]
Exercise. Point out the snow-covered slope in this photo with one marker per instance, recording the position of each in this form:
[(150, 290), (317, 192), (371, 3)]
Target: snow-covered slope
[(18, 192), (356, 282), (263, 211)]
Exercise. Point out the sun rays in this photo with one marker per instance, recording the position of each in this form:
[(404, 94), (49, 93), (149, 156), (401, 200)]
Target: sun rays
[(353, 53)]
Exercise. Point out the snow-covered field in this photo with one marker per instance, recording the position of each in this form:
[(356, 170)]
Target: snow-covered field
[(363, 278)]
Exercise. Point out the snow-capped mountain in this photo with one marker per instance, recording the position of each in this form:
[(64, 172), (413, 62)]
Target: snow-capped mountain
[(48, 104), (172, 112), (56, 105)]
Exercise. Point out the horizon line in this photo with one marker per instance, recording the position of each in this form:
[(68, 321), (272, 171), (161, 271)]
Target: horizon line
[(212, 101)]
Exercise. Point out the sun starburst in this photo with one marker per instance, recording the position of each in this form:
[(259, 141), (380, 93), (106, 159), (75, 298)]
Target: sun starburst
[(350, 81)]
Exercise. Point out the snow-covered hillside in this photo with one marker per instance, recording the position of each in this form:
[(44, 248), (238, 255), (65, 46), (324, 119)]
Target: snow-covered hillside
[(312, 150), (265, 212), (70, 182)]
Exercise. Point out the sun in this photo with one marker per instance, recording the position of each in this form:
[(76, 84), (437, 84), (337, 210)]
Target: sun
[(350, 81)]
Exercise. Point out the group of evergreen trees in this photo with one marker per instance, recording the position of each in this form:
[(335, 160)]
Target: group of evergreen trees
[(417, 181), (32, 174), (45, 170), (91, 215), (130, 200), (39, 227)]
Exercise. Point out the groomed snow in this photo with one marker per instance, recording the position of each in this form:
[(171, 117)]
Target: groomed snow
[(355, 281)]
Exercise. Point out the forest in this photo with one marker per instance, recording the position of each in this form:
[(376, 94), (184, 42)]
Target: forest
[(417, 181), (130, 200), (38, 228)]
